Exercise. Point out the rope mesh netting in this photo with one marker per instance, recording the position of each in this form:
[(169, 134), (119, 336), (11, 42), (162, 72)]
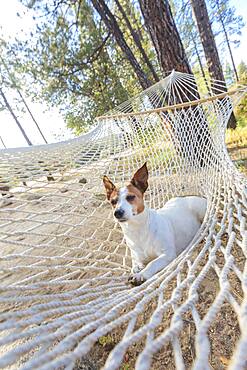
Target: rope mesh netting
[(65, 302)]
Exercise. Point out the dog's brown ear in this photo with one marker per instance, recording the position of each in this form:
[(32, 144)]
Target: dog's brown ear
[(140, 178), (109, 186)]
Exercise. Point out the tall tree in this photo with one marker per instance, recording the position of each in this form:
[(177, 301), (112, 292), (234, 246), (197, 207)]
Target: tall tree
[(112, 24), (8, 106), (188, 32), (212, 57), (136, 37), (171, 55), (15, 86), (207, 38), (231, 26), (164, 34)]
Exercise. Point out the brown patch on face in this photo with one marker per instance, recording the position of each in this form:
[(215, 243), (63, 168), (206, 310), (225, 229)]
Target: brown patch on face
[(114, 198), (137, 202)]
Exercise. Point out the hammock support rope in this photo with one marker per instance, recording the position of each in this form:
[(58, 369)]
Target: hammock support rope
[(64, 265)]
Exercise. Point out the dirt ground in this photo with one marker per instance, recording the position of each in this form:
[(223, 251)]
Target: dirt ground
[(223, 333)]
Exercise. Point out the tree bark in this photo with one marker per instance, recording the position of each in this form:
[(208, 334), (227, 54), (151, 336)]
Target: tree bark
[(164, 34), (113, 27), (137, 41), (208, 42), (171, 55), (14, 116)]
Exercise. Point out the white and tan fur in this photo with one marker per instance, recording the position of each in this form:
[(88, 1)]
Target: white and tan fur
[(155, 237)]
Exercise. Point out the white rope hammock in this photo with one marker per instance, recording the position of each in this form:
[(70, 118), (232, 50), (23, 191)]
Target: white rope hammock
[(64, 298)]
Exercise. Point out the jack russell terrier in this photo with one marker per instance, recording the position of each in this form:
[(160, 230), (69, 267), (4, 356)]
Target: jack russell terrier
[(155, 237)]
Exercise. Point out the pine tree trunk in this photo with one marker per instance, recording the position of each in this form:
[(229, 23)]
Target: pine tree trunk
[(113, 27), (137, 41), (208, 42), (14, 116), (164, 34), (171, 55)]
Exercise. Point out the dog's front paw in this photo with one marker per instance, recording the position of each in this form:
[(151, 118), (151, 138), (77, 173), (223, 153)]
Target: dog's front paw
[(136, 279), (137, 268)]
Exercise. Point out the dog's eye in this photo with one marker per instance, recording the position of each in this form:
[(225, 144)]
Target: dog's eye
[(130, 198), (114, 201)]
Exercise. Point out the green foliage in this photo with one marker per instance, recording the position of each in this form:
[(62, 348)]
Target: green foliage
[(68, 64), (182, 13), (226, 27), (242, 70), (223, 13), (125, 366), (134, 15), (227, 24), (229, 74), (72, 62)]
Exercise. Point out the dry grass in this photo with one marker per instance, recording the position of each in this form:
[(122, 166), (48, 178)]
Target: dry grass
[(236, 138), (236, 141)]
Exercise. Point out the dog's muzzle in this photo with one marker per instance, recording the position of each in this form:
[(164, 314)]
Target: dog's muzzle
[(119, 214)]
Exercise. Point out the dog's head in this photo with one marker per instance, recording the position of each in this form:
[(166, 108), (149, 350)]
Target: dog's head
[(127, 201)]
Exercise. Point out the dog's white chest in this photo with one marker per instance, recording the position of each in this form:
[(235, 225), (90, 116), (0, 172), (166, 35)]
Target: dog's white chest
[(145, 241), (167, 231), (142, 245)]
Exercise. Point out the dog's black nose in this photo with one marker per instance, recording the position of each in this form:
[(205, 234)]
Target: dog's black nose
[(119, 213)]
